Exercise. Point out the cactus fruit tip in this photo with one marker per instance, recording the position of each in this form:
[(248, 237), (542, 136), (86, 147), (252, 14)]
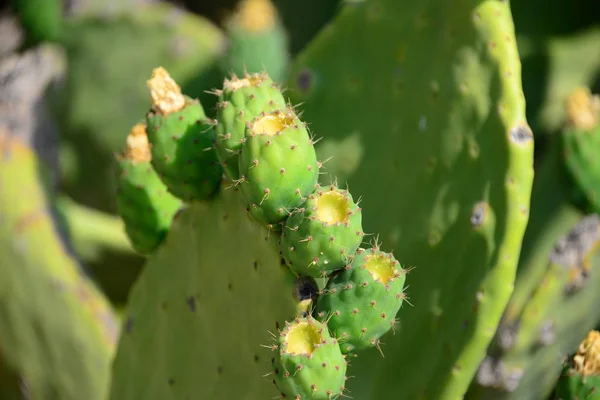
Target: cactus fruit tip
[(583, 109), (272, 124), (256, 15), (332, 208), (165, 92), (249, 80), (138, 148), (382, 268), (587, 359), (302, 338)]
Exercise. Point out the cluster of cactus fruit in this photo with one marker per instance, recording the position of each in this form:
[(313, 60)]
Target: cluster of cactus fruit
[(261, 145)]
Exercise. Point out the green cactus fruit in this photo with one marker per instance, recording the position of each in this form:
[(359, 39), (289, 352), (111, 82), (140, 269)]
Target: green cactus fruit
[(581, 376), (182, 141), (143, 201), (240, 101), (308, 363), (320, 237), (257, 40), (361, 302), (581, 146), (57, 329), (278, 165)]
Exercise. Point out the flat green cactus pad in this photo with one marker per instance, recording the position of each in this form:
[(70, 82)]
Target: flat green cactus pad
[(201, 309), (57, 331), (432, 91)]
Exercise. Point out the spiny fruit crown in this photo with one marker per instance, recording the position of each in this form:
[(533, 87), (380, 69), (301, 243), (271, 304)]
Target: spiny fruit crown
[(302, 337), (249, 80), (273, 123), (165, 92), (332, 207), (138, 148), (256, 15), (587, 359), (583, 109), (382, 267)]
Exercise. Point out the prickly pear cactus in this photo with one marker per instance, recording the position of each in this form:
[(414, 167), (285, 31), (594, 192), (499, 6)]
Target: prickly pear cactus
[(57, 331), (143, 201), (257, 40), (581, 375), (432, 91)]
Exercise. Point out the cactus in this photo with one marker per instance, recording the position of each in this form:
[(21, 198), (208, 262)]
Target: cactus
[(257, 40), (57, 331), (278, 165), (144, 203), (581, 146), (361, 302), (308, 362), (320, 237), (433, 92), (182, 141), (240, 101), (581, 376)]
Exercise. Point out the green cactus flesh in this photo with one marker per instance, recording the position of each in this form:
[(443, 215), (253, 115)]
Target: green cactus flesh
[(182, 141), (257, 40), (144, 203), (202, 307), (323, 234), (57, 331), (361, 302), (278, 165), (308, 362), (240, 101), (432, 92), (581, 146)]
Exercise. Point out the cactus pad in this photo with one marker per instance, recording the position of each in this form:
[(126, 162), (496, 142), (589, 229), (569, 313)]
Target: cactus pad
[(57, 330), (182, 141), (321, 236), (201, 309), (278, 165), (144, 203), (432, 92), (240, 101), (308, 363), (361, 302)]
